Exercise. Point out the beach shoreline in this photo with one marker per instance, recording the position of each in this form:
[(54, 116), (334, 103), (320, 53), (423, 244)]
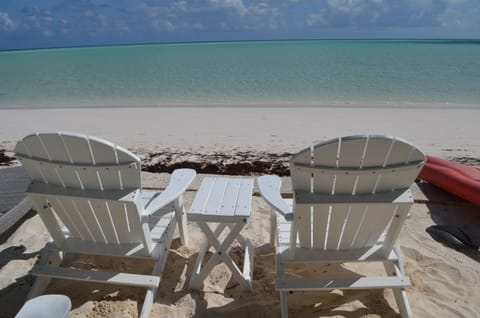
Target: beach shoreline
[(236, 103), (441, 131)]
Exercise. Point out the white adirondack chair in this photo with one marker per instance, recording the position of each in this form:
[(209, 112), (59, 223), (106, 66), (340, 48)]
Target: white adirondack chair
[(351, 198), (88, 193)]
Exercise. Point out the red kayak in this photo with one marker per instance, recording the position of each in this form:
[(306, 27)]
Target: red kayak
[(456, 178)]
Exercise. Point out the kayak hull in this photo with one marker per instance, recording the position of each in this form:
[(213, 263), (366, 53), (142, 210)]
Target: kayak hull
[(456, 178)]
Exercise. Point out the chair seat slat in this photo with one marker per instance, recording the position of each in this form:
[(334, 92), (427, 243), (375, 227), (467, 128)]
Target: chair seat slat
[(355, 216), (351, 152), (54, 145), (301, 180), (303, 219), (34, 146), (78, 148), (90, 219), (65, 211), (107, 223), (115, 278), (376, 151), (342, 283), (335, 226), (320, 223)]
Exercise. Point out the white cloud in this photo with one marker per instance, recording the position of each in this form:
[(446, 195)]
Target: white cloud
[(260, 16), (161, 26), (347, 6), (38, 20), (455, 1), (198, 26), (6, 24), (47, 33), (420, 4), (453, 17), (359, 7), (102, 20), (315, 19), (229, 4), (182, 5), (263, 8)]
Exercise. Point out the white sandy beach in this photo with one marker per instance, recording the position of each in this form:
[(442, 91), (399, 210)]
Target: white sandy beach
[(436, 128), (444, 281)]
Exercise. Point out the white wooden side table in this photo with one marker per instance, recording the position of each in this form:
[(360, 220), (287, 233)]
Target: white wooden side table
[(226, 202)]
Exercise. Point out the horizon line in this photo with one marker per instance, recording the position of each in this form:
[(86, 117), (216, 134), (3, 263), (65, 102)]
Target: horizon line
[(458, 40)]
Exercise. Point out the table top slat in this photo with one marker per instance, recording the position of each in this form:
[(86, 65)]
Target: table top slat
[(229, 202), (201, 198), (215, 199), (244, 201), (222, 197)]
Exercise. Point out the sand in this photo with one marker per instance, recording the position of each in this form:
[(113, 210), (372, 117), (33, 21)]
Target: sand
[(444, 280), (437, 129)]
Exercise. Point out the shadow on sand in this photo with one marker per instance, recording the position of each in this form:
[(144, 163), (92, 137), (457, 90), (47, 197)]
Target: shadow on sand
[(264, 300), (15, 294), (447, 209)]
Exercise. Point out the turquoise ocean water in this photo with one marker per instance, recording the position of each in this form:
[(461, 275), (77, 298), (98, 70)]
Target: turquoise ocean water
[(311, 70)]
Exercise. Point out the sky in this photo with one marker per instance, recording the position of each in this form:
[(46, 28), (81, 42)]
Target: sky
[(60, 23)]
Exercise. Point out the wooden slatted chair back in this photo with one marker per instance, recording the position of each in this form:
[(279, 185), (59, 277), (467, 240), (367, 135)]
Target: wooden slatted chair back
[(82, 180), (328, 175), (76, 161)]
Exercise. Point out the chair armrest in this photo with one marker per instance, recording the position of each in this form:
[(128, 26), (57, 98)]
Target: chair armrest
[(179, 181), (269, 187)]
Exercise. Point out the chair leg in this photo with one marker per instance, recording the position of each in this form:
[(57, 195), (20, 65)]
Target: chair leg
[(283, 293), (400, 294), (147, 303), (273, 228), (39, 286), (284, 303), (50, 255)]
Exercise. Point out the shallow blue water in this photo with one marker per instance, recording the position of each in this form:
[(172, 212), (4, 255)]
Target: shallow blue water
[(313, 70)]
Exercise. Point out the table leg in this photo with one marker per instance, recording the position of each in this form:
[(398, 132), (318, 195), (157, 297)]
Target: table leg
[(248, 263), (221, 255)]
